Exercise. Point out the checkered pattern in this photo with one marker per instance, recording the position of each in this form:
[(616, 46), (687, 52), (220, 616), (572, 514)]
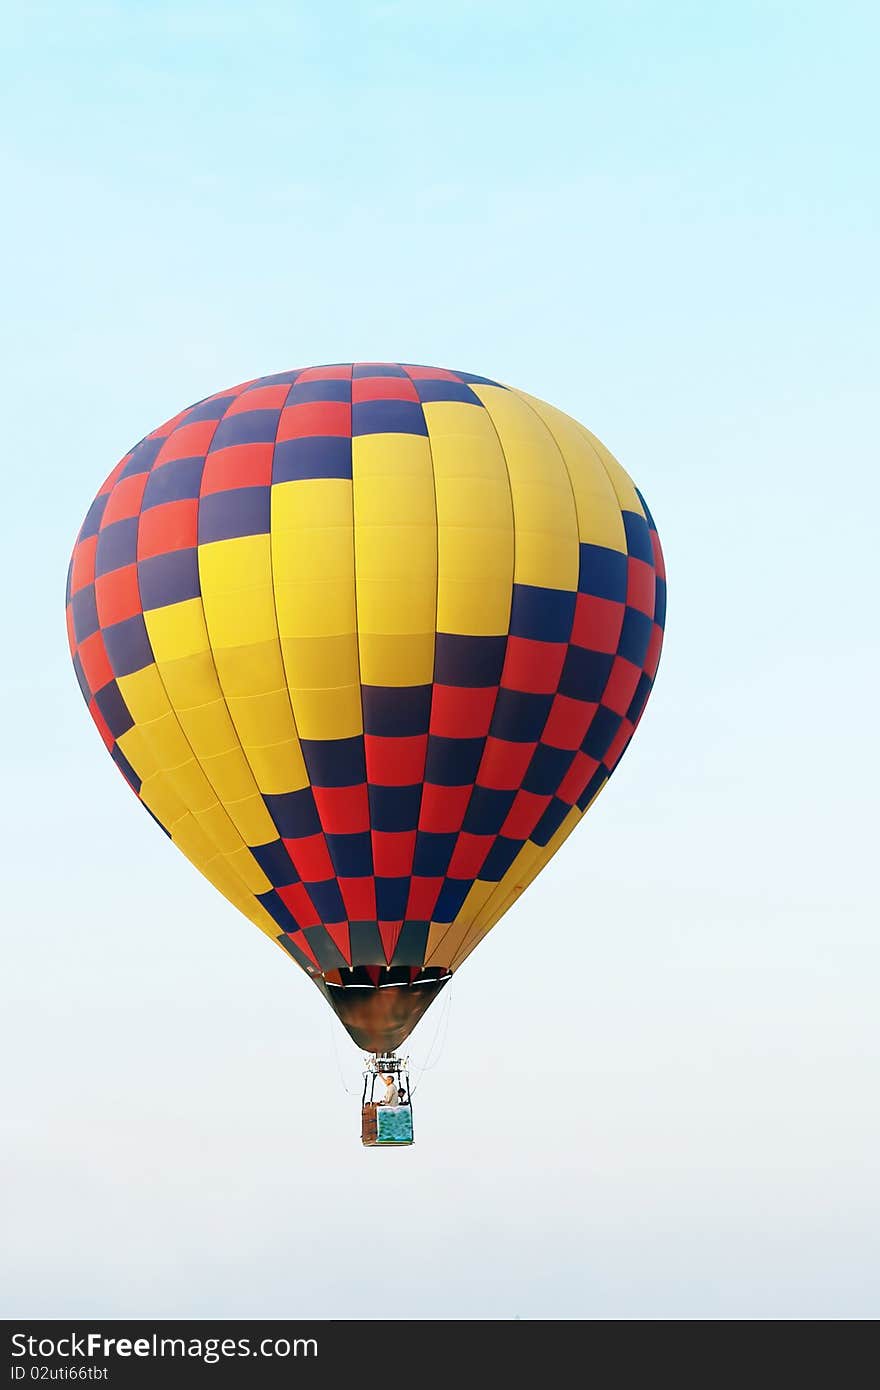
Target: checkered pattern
[(367, 641)]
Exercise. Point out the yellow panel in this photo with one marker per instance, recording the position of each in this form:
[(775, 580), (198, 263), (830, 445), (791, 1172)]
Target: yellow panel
[(395, 550), (334, 713), (138, 752), (252, 820), (546, 553), (219, 828), (159, 796), (144, 694), (278, 767), (262, 718), (225, 566), (191, 681), (311, 503), (238, 617), (316, 607), (598, 510), (246, 866), (252, 670), (320, 663), (193, 786), (229, 775), (178, 630), (209, 729), (166, 741), (403, 660), (620, 480)]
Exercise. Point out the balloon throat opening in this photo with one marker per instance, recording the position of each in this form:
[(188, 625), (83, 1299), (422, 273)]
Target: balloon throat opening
[(380, 1017)]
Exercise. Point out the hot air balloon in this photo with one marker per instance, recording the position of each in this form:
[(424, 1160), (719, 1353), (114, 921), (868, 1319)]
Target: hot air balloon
[(367, 641)]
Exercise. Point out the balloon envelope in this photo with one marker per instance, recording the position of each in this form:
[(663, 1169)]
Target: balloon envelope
[(367, 641)]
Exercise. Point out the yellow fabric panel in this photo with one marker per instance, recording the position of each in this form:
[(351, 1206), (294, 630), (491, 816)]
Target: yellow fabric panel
[(622, 483), (442, 947), (191, 681), (144, 694), (474, 521), (215, 822), (546, 552), (177, 631), (395, 535), (159, 796), (137, 750), (277, 767), (249, 871), (598, 510), (313, 565), (230, 775), (209, 728)]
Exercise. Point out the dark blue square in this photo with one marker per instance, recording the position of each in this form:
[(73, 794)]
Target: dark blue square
[(453, 762), (635, 636), (659, 601), (128, 646), (352, 855), (519, 717), (547, 769), (433, 853), (246, 427), (114, 709), (471, 662), (336, 762), (487, 810), (399, 711), (550, 822), (294, 814), (387, 417), (281, 913), (242, 511), (117, 546), (276, 864), (366, 369), (544, 615), (209, 410), (638, 537), (595, 784), (304, 392), (328, 900), (391, 898), (585, 674), (441, 390), (84, 610), (167, 579), (395, 808), (451, 898), (93, 517), (601, 733), (639, 699), (500, 858), (129, 774), (143, 456), (603, 573), (315, 456), (176, 481)]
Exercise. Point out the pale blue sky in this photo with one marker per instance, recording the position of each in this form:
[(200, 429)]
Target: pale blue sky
[(663, 219)]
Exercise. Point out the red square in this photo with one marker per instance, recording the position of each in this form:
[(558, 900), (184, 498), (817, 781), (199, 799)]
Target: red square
[(567, 722), (504, 764), (389, 933), (296, 897), (117, 596), (524, 814), (188, 442), (359, 896), (170, 526), (82, 571), (423, 895), (652, 657), (640, 586), (239, 465), (393, 852), (95, 662), (577, 777), (459, 712), (533, 667), (102, 725), (343, 810), (469, 855), (299, 939), (597, 623), (341, 937), (395, 762), (383, 388), (442, 810), (311, 858), (621, 686), (431, 374), (110, 480), (341, 372), (71, 635), (125, 499), (659, 562), (618, 744), (259, 398), (315, 418)]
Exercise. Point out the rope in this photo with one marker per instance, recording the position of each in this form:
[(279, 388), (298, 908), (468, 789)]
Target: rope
[(332, 1027), (442, 1022)]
